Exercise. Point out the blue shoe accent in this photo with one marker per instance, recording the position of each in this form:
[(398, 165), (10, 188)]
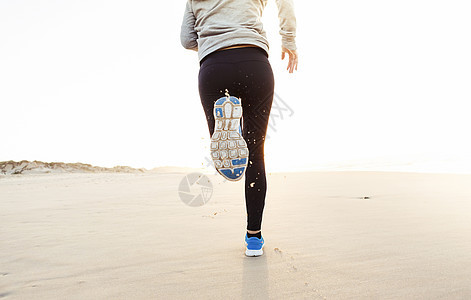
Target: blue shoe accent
[(254, 246), (239, 172), (218, 112), (221, 100), (234, 100), (234, 175), (240, 161)]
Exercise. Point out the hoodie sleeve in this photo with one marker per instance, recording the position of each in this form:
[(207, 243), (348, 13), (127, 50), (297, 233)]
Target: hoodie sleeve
[(287, 23), (188, 35)]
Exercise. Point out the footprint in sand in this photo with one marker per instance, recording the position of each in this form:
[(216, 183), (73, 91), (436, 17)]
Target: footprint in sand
[(290, 265), (315, 293), (4, 294), (214, 214)]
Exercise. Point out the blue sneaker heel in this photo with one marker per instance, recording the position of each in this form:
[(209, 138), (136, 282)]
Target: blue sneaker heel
[(254, 246)]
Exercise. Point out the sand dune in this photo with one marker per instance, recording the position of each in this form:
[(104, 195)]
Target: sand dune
[(329, 235), (38, 167)]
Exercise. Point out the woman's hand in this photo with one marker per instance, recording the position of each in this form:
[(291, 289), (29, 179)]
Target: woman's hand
[(293, 59)]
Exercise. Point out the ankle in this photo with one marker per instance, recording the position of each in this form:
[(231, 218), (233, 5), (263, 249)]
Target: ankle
[(257, 235)]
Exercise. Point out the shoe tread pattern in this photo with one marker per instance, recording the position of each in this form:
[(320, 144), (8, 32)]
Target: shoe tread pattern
[(228, 148)]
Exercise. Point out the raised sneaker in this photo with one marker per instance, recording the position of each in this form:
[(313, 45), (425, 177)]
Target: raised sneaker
[(229, 150)]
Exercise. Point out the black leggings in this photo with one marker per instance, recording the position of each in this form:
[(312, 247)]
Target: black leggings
[(246, 73)]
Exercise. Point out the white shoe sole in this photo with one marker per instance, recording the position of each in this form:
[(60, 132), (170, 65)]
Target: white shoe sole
[(253, 252), (228, 148)]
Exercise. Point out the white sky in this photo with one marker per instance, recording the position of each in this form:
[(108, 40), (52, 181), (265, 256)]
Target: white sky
[(107, 83)]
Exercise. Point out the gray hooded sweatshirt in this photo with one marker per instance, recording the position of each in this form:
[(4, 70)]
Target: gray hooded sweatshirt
[(209, 25)]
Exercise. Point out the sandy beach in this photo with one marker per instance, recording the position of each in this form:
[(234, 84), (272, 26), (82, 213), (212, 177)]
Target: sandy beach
[(328, 235)]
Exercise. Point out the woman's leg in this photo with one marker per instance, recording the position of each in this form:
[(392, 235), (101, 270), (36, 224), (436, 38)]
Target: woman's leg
[(257, 100), (247, 74)]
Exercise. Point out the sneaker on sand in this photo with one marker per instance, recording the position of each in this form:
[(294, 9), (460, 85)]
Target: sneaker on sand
[(229, 150), (254, 246)]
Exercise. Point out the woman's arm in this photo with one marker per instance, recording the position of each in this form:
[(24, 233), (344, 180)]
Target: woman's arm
[(288, 32), (188, 35), (287, 23)]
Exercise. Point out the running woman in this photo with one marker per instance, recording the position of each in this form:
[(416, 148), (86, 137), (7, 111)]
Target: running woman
[(233, 55)]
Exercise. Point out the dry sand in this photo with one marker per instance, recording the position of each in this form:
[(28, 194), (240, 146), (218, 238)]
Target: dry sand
[(128, 236)]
